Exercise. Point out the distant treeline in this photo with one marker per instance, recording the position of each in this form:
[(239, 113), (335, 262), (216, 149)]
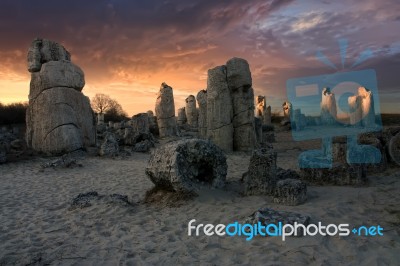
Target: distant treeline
[(13, 113)]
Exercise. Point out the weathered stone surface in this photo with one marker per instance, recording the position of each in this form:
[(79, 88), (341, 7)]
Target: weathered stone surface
[(42, 51), (238, 73), (202, 119), (244, 136), (219, 109), (165, 112), (56, 74), (181, 116), (60, 120), (290, 192), (110, 146), (140, 123), (185, 164), (261, 176), (328, 107), (191, 111), (239, 82), (394, 148)]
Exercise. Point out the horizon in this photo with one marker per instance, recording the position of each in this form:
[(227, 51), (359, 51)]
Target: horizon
[(127, 49)]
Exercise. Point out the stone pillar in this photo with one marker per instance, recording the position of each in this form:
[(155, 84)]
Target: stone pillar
[(328, 107), (100, 119), (165, 112), (260, 106), (219, 109), (182, 116), (367, 107), (287, 110), (59, 118), (153, 123), (191, 111), (240, 82), (202, 119), (262, 111)]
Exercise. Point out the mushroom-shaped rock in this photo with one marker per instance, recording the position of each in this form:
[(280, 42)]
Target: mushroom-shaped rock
[(184, 165)]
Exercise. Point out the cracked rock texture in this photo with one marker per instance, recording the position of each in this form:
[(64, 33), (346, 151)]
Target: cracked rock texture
[(59, 117), (184, 165), (219, 109), (230, 106)]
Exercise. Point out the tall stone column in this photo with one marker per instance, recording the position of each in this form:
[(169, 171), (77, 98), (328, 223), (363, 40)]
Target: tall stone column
[(219, 109), (191, 111), (165, 112), (240, 82), (202, 119)]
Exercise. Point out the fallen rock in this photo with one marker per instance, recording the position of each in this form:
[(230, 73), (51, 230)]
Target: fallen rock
[(184, 165)]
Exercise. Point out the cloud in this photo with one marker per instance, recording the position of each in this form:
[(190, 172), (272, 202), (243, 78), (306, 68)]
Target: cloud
[(131, 47)]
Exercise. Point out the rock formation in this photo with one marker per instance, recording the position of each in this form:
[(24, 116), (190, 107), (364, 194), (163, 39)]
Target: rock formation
[(240, 82), (165, 112), (59, 117), (367, 107), (230, 106), (264, 178), (287, 110), (184, 165), (219, 109), (140, 123), (328, 107), (202, 119), (182, 116), (263, 111), (261, 176), (191, 111)]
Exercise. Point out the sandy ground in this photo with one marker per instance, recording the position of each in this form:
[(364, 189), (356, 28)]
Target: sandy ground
[(37, 226)]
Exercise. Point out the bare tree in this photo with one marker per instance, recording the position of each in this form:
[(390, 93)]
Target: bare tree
[(104, 104), (101, 103)]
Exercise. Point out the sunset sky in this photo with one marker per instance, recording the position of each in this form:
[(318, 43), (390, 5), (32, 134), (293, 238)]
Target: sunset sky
[(128, 48)]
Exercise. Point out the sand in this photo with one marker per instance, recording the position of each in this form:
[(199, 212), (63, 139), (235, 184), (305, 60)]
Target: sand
[(38, 227)]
